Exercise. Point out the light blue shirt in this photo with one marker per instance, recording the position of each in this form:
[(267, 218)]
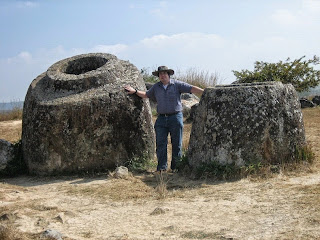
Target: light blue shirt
[(169, 99)]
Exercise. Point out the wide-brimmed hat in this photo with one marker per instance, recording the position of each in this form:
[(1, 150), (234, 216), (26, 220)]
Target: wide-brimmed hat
[(163, 69)]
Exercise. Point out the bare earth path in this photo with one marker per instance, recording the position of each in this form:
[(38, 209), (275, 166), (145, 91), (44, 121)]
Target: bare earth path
[(285, 206), (278, 208)]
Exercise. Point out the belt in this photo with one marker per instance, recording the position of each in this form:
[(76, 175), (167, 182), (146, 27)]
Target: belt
[(168, 114)]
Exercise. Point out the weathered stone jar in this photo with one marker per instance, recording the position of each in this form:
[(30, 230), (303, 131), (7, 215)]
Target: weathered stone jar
[(77, 117), (246, 124)]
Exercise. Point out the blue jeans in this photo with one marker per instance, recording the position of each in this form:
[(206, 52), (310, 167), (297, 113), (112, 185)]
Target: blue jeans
[(164, 125)]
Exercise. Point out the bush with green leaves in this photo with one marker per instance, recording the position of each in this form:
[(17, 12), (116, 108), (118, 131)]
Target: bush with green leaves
[(147, 77), (299, 72)]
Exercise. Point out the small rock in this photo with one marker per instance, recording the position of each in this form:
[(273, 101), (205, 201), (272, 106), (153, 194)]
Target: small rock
[(158, 211), (51, 234), (60, 218), (121, 172), (188, 101), (41, 222), (8, 217)]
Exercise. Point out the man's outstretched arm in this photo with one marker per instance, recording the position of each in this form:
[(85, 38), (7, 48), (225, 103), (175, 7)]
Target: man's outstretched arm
[(132, 90), (196, 89)]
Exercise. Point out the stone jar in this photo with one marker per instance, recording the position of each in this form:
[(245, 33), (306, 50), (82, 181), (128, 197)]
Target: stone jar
[(77, 117), (246, 124)]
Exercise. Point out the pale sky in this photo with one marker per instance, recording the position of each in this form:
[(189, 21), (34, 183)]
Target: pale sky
[(211, 35)]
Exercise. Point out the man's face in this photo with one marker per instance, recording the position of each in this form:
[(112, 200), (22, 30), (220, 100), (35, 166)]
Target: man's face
[(164, 77)]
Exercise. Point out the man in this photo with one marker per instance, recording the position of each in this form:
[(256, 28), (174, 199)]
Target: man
[(170, 119)]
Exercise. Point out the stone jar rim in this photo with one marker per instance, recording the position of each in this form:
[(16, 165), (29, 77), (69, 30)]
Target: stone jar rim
[(57, 71)]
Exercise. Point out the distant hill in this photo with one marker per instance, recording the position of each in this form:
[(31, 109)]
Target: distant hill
[(11, 105)]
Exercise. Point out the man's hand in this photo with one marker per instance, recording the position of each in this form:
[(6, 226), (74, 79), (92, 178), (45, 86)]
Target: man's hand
[(130, 89)]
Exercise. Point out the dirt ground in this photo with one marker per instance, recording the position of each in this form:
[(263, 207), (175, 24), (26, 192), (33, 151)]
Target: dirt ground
[(282, 206)]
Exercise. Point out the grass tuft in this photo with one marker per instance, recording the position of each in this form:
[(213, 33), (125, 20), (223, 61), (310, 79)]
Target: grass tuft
[(161, 188), (304, 157), (304, 154), (203, 235), (115, 190), (14, 114)]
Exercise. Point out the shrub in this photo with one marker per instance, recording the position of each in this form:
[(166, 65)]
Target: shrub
[(219, 171), (297, 72), (147, 77), (140, 164)]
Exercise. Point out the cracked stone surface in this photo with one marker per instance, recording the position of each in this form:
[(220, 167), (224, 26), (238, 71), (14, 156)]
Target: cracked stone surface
[(247, 123), (77, 117)]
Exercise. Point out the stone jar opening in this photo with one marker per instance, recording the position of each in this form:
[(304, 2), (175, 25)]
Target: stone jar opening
[(85, 64)]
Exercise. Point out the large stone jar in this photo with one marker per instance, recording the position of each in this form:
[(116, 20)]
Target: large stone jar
[(247, 124), (77, 117)]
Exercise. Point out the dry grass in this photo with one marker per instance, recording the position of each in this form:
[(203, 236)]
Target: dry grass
[(10, 232), (14, 114), (309, 199), (11, 130), (161, 189), (5, 188), (115, 190), (137, 188), (203, 235), (197, 77), (311, 123)]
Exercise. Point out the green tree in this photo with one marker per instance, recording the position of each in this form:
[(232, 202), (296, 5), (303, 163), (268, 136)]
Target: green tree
[(300, 73)]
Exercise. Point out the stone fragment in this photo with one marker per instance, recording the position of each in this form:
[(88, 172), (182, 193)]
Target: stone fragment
[(60, 218), (10, 217), (6, 153), (246, 124), (316, 100), (158, 211), (121, 172), (51, 234), (77, 117), (305, 103), (188, 101)]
